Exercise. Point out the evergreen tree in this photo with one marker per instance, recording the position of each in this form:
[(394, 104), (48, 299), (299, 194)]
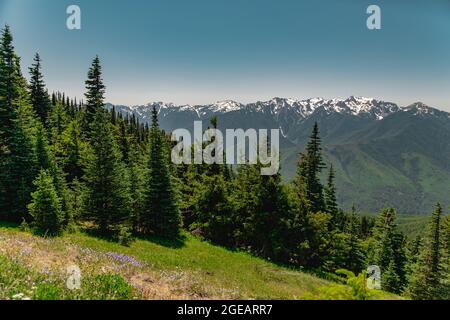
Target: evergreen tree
[(308, 183), (161, 213), (389, 248), (46, 161), (260, 206), (355, 256), (136, 173), (214, 212), (330, 194), (17, 162), (71, 148), (45, 207), (428, 273), (94, 95), (40, 99), (106, 201)]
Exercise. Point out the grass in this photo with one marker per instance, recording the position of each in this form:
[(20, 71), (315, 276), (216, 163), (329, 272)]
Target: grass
[(148, 269)]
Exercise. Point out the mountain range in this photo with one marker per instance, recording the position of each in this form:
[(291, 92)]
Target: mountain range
[(384, 154)]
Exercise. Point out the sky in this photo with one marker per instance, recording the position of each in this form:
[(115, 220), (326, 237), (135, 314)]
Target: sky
[(203, 51)]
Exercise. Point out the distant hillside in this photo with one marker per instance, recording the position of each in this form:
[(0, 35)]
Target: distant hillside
[(384, 155)]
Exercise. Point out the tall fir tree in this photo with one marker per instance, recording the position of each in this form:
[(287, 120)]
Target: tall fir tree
[(46, 161), (307, 182), (213, 211), (388, 252), (72, 146), (330, 194), (260, 206), (106, 201), (17, 160), (95, 96), (161, 214), (40, 99), (428, 276)]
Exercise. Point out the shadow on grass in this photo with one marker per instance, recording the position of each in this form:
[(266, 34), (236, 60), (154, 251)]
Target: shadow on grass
[(112, 237), (9, 225), (168, 243)]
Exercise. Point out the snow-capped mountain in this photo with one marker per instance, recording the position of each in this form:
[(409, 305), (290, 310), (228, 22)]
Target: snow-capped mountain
[(282, 107), (288, 115), (385, 154)]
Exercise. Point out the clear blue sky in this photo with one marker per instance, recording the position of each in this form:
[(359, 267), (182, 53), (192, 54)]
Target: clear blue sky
[(202, 51)]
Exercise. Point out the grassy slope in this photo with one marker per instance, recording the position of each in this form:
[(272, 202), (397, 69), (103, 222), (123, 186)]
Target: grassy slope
[(190, 270)]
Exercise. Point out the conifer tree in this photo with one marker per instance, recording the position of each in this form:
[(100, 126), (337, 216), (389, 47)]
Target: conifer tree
[(107, 195), (389, 249), (94, 95), (40, 99), (308, 183), (428, 273), (260, 205), (161, 213), (213, 211), (330, 194), (355, 254), (72, 147), (136, 173), (47, 161), (17, 162), (45, 207)]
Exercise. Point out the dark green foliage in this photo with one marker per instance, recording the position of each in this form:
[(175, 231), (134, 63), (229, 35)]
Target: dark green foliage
[(17, 162), (71, 148), (260, 205), (429, 274), (45, 207), (214, 212), (95, 96), (40, 99), (106, 201), (307, 182), (330, 196), (46, 161), (136, 169), (388, 252), (161, 214)]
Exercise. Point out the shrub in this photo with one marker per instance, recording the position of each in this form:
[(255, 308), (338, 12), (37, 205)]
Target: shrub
[(125, 236), (45, 206)]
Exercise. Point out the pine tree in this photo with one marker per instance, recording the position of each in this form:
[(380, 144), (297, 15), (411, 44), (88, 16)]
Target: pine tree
[(428, 274), (308, 183), (136, 173), (355, 256), (389, 248), (106, 201), (390, 279), (213, 211), (330, 193), (94, 95), (72, 147), (260, 205), (161, 213), (40, 99), (330, 198), (45, 207), (17, 162), (47, 161)]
